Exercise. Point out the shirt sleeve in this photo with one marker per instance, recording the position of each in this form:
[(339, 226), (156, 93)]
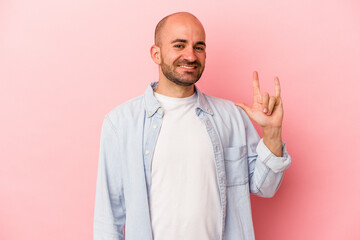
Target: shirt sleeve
[(109, 214), (276, 164)]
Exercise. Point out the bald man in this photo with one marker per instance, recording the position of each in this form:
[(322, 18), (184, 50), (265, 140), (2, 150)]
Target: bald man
[(178, 164)]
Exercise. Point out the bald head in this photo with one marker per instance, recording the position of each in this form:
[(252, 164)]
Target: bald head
[(179, 16)]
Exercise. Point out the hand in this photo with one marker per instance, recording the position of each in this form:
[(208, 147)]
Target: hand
[(266, 111)]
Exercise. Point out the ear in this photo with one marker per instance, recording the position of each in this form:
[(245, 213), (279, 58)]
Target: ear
[(155, 54)]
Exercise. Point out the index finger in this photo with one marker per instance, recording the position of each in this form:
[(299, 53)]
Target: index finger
[(256, 84), (277, 87)]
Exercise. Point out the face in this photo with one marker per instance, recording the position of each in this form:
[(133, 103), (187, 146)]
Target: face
[(182, 51)]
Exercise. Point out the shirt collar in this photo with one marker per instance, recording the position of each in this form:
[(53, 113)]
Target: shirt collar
[(152, 105)]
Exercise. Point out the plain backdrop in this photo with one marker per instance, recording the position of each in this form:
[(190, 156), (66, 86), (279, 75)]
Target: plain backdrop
[(64, 64)]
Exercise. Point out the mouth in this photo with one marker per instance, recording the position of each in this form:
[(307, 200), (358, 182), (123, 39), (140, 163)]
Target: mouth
[(187, 67)]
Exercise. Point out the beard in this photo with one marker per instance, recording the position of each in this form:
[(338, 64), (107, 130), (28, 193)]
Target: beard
[(187, 78)]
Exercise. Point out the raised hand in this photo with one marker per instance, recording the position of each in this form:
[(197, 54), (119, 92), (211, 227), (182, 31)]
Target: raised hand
[(267, 111)]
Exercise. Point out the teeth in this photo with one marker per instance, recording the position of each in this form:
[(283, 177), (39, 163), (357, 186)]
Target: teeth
[(188, 67)]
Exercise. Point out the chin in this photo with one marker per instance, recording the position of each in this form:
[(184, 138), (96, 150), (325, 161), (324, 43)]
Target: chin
[(188, 83), (182, 82)]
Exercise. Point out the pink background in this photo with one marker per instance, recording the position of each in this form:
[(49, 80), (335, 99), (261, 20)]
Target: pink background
[(64, 64)]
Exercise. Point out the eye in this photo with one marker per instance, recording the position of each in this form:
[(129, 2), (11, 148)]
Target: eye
[(200, 48), (179, 46)]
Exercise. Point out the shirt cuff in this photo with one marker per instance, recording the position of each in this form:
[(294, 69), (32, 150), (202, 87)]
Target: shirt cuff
[(276, 164)]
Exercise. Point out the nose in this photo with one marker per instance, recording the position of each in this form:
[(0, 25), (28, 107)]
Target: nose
[(190, 54)]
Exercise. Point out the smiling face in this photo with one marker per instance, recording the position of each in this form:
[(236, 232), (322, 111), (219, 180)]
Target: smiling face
[(181, 51)]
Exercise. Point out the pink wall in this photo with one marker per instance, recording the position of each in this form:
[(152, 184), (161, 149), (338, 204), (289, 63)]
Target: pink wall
[(65, 64)]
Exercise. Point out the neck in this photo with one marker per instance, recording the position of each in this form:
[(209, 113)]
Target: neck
[(170, 89)]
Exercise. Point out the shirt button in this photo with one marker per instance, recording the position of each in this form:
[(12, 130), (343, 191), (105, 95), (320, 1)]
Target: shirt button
[(147, 152), (160, 109), (222, 180), (155, 126)]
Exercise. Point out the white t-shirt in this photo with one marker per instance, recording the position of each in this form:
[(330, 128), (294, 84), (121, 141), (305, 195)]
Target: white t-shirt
[(184, 195)]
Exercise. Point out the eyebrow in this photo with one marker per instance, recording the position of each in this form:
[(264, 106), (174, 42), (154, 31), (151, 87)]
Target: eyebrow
[(185, 41)]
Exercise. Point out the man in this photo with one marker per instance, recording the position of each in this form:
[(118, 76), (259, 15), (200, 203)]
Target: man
[(178, 164)]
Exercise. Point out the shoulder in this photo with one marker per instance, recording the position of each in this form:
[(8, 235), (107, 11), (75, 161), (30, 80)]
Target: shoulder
[(218, 101), (128, 110), (223, 105), (227, 109)]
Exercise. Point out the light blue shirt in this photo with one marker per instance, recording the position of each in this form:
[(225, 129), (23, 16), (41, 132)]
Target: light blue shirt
[(243, 164)]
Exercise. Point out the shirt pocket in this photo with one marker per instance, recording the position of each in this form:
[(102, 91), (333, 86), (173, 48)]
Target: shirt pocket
[(236, 166)]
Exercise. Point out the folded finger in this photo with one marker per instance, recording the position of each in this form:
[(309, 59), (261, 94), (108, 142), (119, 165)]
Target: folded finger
[(265, 102), (271, 106)]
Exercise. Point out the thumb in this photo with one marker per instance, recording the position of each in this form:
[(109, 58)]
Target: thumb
[(245, 107)]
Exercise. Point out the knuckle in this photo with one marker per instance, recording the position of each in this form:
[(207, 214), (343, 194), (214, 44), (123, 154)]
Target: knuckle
[(265, 94)]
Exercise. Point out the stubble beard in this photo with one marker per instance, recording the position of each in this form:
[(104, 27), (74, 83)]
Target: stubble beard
[(179, 79)]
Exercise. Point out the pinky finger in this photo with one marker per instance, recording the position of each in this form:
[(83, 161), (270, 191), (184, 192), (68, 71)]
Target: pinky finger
[(277, 87)]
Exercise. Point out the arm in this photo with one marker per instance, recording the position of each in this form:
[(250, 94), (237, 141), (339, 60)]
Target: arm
[(272, 159), (109, 216), (265, 169)]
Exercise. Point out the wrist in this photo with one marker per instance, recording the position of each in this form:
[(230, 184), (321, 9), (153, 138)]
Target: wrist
[(272, 133), (272, 139)]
